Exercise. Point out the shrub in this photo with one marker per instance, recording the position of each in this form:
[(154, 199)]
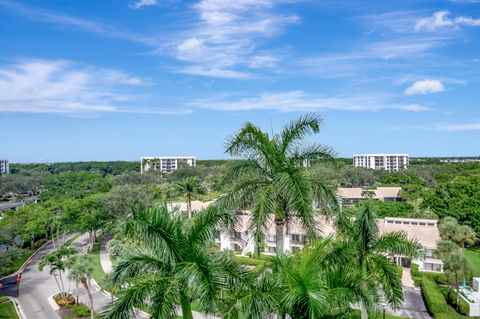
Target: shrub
[(249, 261), (434, 299), (66, 301), (3, 299), (81, 310), (464, 307)]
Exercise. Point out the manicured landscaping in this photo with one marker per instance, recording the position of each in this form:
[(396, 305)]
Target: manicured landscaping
[(473, 257), (7, 309), (98, 273), (69, 241)]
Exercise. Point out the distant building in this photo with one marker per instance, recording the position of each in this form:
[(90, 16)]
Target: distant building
[(166, 164), (351, 195), (388, 162), (4, 167)]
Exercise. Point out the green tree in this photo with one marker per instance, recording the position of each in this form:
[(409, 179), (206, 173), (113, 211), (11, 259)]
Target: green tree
[(372, 251), (321, 281), (57, 263), (272, 179), (465, 235), (172, 264), (80, 270), (457, 264), (190, 189), (444, 249)]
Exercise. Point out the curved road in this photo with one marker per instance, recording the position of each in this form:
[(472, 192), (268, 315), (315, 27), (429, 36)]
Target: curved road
[(36, 286)]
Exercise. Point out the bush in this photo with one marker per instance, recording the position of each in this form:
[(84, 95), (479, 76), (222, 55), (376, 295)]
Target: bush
[(66, 301), (249, 261), (464, 307), (81, 310), (434, 299)]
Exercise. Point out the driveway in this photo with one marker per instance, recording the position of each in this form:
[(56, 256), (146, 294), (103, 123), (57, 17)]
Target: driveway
[(413, 305)]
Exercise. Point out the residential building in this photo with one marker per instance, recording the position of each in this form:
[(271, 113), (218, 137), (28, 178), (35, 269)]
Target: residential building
[(349, 196), (166, 164), (4, 166), (241, 240), (388, 162), (425, 231)]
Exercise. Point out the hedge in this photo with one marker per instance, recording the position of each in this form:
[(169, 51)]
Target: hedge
[(451, 298), (417, 276), (434, 299)]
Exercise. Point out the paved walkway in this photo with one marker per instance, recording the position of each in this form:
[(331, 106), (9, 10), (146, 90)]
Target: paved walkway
[(407, 280), (413, 305), (104, 255)]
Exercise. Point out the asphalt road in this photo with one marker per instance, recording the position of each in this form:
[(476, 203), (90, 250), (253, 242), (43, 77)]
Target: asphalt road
[(36, 286), (413, 305)]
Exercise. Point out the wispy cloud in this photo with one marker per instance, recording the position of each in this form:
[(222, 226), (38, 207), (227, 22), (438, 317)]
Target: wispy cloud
[(299, 101), (458, 127), (424, 87), (46, 86), (47, 16), (224, 40), (143, 3), (441, 20)]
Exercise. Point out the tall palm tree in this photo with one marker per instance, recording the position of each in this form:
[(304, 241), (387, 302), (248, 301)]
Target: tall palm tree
[(372, 251), (81, 270), (456, 264), (190, 188), (465, 235), (318, 282), (444, 249), (272, 180), (57, 262), (172, 264)]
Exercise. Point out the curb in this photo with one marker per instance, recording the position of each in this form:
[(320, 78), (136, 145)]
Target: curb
[(53, 303), (30, 258), (18, 309)]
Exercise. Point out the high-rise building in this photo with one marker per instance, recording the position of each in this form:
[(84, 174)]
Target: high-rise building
[(4, 167), (388, 162), (166, 164)]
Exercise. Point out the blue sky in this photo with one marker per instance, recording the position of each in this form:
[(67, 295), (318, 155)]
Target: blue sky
[(114, 79)]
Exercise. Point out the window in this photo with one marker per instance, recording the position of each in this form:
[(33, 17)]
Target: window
[(272, 250)]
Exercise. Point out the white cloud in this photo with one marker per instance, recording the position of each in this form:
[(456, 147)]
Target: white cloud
[(46, 86), (48, 16), (441, 20), (424, 87), (299, 101), (143, 3), (459, 127), (226, 36)]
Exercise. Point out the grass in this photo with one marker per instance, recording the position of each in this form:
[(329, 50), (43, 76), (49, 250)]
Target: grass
[(7, 310), (473, 257), (98, 273), (71, 240)]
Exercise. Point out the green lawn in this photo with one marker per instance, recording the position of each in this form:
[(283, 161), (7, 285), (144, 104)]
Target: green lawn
[(98, 273), (7, 311), (473, 258), (71, 240)]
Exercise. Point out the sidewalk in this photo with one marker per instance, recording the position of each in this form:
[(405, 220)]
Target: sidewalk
[(104, 255)]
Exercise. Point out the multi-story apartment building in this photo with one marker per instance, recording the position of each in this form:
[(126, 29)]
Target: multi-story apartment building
[(4, 167), (349, 196), (425, 231), (166, 164), (388, 162)]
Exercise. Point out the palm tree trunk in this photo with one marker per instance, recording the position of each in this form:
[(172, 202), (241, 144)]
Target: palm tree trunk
[(61, 281), (189, 207), (58, 284), (90, 299), (186, 307), (279, 235), (78, 292), (458, 291)]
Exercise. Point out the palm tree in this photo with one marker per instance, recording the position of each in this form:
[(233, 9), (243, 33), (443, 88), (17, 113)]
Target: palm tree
[(457, 264), (465, 235), (172, 264), (57, 262), (81, 270), (444, 249), (372, 251), (318, 282), (190, 188), (272, 180)]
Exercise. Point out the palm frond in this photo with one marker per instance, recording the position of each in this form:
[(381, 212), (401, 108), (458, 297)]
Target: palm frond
[(398, 243), (249, 141), (298, 129), (387, 275)]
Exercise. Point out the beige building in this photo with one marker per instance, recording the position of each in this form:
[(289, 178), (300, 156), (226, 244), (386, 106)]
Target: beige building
[(351, 195)]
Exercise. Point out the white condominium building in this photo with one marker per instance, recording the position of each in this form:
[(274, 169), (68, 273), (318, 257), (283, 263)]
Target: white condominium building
[(388, 162), (165, 164), (4, 167)]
